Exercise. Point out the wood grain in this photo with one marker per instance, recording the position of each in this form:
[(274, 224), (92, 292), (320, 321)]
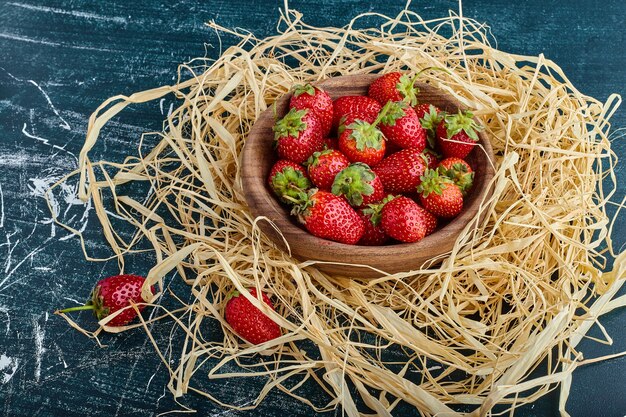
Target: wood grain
[(338, 258)]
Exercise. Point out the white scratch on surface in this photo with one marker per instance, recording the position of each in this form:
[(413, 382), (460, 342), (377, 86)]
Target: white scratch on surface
[(10, 364), (39, 349), (65, 124), (1, 207), (43, 42), (75, 13), (5, 310), (60, 353), (11, 272), (73, 300), (46, 141), (161, 104), (169, 111), (43, 268)]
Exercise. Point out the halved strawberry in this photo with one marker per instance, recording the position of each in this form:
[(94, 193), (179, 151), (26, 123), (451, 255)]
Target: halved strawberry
[(439, 195), (394, 86), (401, 126), (401, 218), (362, 142), (317, 100), (401, 172), (328, 216), (348, 109), (459, 172), (323, 166), (289, 181), (359, 184), (457, 134), (298, 135)]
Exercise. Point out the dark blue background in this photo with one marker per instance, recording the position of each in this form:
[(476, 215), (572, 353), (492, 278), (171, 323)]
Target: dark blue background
[(60, 60)]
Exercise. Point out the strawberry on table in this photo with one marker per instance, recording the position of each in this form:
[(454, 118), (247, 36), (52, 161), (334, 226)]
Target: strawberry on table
[(394, 86), (359, 185), (457, 134), (362, 142), (401, 172), (324, 166), (430, 117), (112, 294), (402, 219), (248, 321), (459, 172), (374, 234), (328, 216), (439, 195), (317, 100), (401, 126), (298, 135), (288, 181), (348, 109)]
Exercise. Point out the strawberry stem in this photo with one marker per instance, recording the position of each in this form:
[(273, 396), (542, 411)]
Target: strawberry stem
[(77, 308)]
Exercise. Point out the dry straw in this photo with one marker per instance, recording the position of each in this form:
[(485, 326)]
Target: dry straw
[(522, 287)]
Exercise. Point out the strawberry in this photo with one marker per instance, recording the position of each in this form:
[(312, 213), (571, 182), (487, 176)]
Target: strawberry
[(298, 135), (456, 134), (374, 234), (401, 172), (328, 216), (402, 219), (288, 180), (317, 100), (429, 220), (362, 142), (430, 117), (459, 172), (248, 321), (431, 157), (112, 294), (401, 126), (439, 195), (331, 143), (348, 109), (394, 86), (323, 166), (359, 184)]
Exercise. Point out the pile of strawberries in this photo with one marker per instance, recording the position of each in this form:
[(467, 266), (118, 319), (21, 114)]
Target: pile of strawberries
[(394, 173)]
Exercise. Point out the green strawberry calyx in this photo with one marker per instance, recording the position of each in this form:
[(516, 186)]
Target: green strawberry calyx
[(366, 135), (462, 121), (314, 159), (302, 208), (95, 303), (301, 89), (290, 125), (290, 185), (459, 174), (353, 182), (432, 182), (392, 111), (374, 210), (407, 89), (430, 121)]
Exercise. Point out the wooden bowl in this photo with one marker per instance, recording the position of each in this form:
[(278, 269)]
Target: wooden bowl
[(259, 156)]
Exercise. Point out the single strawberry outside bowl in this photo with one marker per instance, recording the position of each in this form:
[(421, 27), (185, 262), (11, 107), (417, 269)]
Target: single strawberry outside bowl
[(338, 258)]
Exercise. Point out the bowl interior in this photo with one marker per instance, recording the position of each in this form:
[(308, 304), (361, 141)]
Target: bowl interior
[(259, 156)]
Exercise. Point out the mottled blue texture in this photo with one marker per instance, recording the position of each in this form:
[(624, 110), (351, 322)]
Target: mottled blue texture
[(60, 60)]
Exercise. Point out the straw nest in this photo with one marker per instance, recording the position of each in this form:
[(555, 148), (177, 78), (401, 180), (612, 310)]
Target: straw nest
[(516, 294)]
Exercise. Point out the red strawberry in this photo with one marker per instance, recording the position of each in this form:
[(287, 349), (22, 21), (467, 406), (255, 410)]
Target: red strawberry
[(401, 126), (402, 219), (348, 109), (432, 158), (394, 86), (459, 172), (429, 220), (317, 100), (298, 135), (248, 321), (430, 117), (324, 165), (374, 234), (331, 143), (439, 195), (288, 180), (456, 134), (112, 294), (359, 184), (362, 142), (328, 216), (401, 172)]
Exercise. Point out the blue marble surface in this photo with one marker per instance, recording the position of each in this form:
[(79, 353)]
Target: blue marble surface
[(60, 59)]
